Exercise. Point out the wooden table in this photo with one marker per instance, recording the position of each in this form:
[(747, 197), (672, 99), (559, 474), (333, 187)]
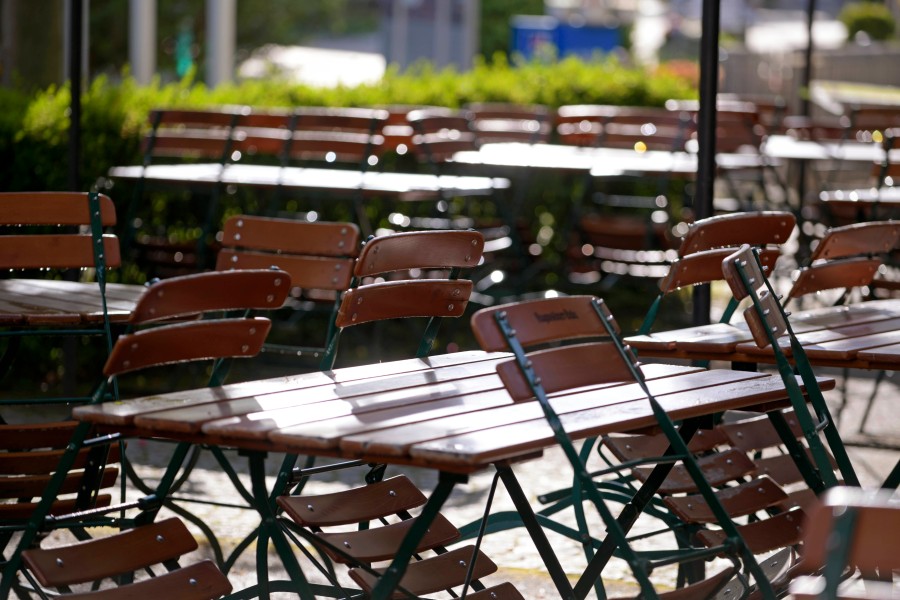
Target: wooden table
[(449, 413), (401, 186), (790, 148), (865, 335), (43, 302), (599, 162)]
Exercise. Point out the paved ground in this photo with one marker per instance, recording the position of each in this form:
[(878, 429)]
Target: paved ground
[(513, 550)]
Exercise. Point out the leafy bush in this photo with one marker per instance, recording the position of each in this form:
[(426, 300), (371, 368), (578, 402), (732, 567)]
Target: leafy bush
[(872, 18)]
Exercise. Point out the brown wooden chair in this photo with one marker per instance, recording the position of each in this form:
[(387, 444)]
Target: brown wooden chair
[(440, 256), (180, 135), (569, 352), (121, 555), (850, 547), (846, 261), (50, 236), (390, 501), (168, 332), (757, 438), (625, 229), (705, 244)]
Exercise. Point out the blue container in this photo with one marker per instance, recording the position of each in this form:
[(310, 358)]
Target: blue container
[(586, 40), (541, 35), (534, 35)]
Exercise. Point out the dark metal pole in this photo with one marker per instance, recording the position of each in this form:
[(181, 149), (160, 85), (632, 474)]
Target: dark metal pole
[(76, 15), (807, 58), (706, 135)]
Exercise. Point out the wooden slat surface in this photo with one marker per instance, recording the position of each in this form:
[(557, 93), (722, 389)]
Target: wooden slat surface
[(831, 336), (122, 414), (38, 301), (451, 413)]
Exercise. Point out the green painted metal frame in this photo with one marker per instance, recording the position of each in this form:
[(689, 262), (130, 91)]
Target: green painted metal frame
[(617, 528), (823, 477)]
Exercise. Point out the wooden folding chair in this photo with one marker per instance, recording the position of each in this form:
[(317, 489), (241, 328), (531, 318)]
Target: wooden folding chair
[(439, 257), (390, 501), (319, 257), (384, 507), (767, 321), (846, 261), (542, 335), (701, 252), (160, 342), (325, 137), (180, 135), (625, 229), (850, 547), (118, 557), (59, 235)]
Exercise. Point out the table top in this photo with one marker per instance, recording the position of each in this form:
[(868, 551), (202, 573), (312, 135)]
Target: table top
[(45, 302), (407, 186), (448, 412), (865, 335), (887, 195), (790, 148), (601, 162)]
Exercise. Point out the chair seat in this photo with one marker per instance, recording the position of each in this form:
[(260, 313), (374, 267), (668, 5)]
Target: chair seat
[(740, 500), (433, 574), (776, 532), (200, 581), (381, 543), (354, 505)]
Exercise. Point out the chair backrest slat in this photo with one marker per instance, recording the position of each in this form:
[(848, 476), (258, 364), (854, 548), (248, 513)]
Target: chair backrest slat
[(185, 342), (731, 230), (420, 250), (55, 251), (404, 299), (539, 322)]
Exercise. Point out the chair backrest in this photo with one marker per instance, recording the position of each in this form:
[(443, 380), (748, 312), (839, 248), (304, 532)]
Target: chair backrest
[(155, 546), (395, 294), (846, 257), (29, 454), (315, 135), (317, 255), (639, 128), (192, 134), (708, 241), (63, 247), (505, 122), (850, 527), (761, 228), (438, 133), (179, 298)]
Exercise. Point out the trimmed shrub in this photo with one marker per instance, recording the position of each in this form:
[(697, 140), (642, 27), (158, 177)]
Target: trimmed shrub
[(872, 18)]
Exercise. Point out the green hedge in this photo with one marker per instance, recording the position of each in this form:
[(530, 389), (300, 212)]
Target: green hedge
[(34, 130)]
